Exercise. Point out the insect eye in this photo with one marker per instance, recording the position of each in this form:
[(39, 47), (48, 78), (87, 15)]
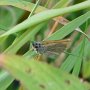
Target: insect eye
[(36, 44), (39, 44)]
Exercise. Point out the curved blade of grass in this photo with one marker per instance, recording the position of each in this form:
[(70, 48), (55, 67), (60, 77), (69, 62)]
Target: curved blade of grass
[(78, 63), (35, 75), (75, 61), (62, 3), (77, 66), (86, 61), (22, 4), (5, 80), (86, 69), (30, 54), (69, 63), (13, 49), (25, 37), (46, 15), (70, 27), (18, 43)]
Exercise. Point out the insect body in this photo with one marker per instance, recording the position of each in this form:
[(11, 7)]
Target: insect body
[(51, 47)]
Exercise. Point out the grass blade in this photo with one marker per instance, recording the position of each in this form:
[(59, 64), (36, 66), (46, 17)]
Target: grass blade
[(37, 76)]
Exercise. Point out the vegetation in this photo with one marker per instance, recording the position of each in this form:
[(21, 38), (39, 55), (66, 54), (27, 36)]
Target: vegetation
[(24, 21)]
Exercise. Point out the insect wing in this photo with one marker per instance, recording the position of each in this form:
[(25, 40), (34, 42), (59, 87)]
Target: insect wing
[(55, 47), (65, 41)]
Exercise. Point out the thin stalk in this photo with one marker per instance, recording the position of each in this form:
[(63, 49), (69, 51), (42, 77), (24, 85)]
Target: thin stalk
[(37, 3)]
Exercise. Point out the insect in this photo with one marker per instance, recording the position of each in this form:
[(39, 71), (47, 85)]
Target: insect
[(54, 47)]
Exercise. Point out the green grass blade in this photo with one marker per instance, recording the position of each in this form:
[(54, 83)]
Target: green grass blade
[(86, 69), (33, 10), (35, 75), (70, 27), (46, 15), (71, 60), (76, 60), (62, 3), (23, 5), (78, 63), (86, 61), (25, 37), (5, 80)]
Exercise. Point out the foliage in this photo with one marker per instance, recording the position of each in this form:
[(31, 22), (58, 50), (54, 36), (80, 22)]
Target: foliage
[(19, 62)]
